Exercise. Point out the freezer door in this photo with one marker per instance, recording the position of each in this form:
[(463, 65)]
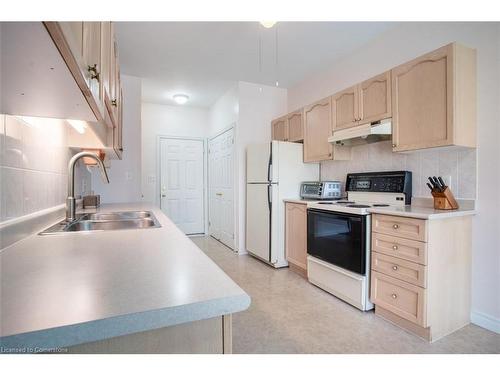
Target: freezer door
[(258, 220), (258, 158)]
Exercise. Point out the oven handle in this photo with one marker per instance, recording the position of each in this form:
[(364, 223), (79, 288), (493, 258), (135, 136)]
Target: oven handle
[(324, 213)]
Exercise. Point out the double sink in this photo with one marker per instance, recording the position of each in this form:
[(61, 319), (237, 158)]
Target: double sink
[(106, 221)]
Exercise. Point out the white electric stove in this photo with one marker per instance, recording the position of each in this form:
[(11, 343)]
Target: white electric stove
[(339, 233)]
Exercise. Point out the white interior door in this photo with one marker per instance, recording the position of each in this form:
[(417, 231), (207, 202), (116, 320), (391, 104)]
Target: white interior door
[(220, 190), (182, 183)]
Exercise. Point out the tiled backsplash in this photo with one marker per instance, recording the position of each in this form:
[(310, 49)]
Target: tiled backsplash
[(33, 165), (456, 166)]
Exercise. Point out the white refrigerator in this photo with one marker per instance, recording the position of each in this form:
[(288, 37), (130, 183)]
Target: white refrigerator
[(274, 172)]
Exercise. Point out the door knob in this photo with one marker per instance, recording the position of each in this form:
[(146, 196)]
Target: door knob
[(219, 194), (163, 196)]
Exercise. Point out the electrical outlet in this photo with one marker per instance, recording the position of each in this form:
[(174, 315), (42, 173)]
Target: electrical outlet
[(128, 176)]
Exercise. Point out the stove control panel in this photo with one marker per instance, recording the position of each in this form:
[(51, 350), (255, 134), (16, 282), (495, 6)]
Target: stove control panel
[(381, 182)]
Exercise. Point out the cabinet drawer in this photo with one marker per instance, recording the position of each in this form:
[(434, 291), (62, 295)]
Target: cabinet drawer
[(399, 297), (413, 229), (410, 272), (414, 251)]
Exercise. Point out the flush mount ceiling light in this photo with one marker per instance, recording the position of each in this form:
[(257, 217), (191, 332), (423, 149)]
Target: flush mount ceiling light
[(268, 24), (180, 98)]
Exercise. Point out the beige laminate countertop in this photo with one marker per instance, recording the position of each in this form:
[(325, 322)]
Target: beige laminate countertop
[(72, 288), (414, 211)]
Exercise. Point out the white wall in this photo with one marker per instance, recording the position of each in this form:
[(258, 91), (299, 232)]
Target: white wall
[(258, 105), (404, 43), (175, 121), (224, 112), (125, 175)]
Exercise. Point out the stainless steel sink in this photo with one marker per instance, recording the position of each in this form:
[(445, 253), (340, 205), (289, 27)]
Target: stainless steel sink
[(126, 215), (105, 222)]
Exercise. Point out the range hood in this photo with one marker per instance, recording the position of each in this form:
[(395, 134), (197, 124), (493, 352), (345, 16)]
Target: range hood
[(363, 134)]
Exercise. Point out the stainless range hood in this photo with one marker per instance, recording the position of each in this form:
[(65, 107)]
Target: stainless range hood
[(363, 134)]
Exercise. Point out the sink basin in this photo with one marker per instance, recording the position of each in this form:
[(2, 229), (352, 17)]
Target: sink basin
[(126, 215), (87, 225), (106, 221)]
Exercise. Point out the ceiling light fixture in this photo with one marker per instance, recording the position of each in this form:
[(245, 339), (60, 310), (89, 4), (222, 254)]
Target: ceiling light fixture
[(181, 98), (268, 24)]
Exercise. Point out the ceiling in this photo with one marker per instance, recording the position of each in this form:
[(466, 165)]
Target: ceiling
[(204, 59)]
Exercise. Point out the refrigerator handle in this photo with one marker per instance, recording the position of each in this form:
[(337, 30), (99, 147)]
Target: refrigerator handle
[(269, 164), (269, 196)]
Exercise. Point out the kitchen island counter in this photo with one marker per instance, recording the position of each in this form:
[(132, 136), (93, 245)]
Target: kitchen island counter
[(75, 288)]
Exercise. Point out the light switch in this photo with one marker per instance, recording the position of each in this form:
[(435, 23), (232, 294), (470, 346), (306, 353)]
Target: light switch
[(128, 176), (151, 179)]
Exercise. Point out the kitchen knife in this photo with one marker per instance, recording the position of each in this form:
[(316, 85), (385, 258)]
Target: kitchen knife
[(430, 187), (443, 185), (433, 183), (436, 182)]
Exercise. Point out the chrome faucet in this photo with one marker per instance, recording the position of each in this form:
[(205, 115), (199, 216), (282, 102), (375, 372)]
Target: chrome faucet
[(71, 201)]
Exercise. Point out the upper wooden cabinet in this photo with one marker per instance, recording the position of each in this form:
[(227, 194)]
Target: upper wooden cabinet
[(375, 99), (317, 129), (434, 100), (345, 108), (367, 102), (91, 54), (295, 126), (279, 129)]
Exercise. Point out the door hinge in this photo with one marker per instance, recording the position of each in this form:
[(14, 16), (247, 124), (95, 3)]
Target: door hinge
[(209, 223)]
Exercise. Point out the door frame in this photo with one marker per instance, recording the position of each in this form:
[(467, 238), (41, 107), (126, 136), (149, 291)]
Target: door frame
[(235, 183), (205, 173)]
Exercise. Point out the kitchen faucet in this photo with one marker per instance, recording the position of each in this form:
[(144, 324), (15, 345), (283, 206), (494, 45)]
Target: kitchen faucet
[(71, 201)]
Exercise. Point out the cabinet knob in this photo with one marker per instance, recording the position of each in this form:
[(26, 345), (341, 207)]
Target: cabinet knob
[(114, 103), (94, 74), (394, 247), (394, 145), (330, 154), (394, 295), (395, 226), (395, 268)]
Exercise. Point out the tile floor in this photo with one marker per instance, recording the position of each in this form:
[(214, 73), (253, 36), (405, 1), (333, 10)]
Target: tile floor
[(290, 315)]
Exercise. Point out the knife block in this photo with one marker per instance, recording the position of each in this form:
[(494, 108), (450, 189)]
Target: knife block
[(444, 200)]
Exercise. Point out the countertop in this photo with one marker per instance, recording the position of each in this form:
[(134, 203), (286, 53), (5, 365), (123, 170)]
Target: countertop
[(73, 288), (414, 211)]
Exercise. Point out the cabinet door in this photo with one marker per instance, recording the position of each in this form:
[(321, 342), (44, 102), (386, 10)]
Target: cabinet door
[(106, 61), (345, 108), (279, 129), (317, 129), (375, 98), (295, 126), (92, 57), (422, 101), (296, 234)]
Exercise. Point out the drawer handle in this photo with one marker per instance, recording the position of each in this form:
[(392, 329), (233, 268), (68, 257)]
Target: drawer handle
[(395, 226), (395, 268), (394, 295), (394, 247)]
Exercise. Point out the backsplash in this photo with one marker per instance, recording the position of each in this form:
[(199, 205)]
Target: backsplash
[(33, 165), (457, 165)]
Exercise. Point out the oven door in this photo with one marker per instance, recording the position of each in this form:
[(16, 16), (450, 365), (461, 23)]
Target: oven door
[(337, 238)]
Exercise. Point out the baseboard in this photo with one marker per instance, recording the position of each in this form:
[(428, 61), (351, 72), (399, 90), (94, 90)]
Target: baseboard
[(485, 321)]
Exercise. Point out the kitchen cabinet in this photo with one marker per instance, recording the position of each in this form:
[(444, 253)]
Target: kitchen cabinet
[(345, 108), (91, 54), (317, 128), (296, 236), (279, 129), (434, 100), (375, 99), (364, 103), (420, 273), (295, 126)]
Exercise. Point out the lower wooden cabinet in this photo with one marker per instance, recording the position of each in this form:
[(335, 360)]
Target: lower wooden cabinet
[(296, 236), (420, 273)]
